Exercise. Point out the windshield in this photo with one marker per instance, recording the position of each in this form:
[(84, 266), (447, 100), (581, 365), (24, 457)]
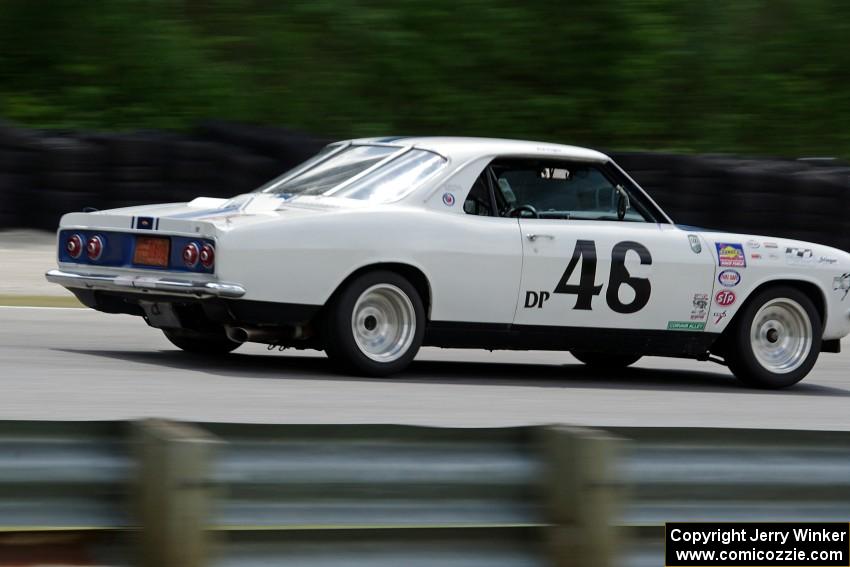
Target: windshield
[(346, 173)]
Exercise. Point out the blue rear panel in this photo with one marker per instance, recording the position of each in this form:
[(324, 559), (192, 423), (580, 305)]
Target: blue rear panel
[(118, 249)]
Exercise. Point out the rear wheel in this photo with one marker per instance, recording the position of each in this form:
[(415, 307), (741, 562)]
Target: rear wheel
[(200, 343), (776, 339), (606, 361), (375, 325)]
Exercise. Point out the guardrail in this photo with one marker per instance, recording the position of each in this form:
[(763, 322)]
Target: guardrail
[(313, 495), (694, 474), (236, 494)]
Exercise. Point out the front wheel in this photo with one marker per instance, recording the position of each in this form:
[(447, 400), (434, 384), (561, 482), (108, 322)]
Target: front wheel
[(776, 340), (605, 361), (211, 344), (375, 325)]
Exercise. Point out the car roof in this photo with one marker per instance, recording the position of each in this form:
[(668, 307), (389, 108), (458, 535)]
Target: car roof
[(465, 148)]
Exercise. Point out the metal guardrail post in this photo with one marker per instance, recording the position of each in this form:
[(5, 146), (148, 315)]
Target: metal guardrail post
[(580, 495), (173, 495)]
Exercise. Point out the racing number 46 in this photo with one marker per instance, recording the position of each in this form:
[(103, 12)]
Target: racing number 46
[(586, 289)]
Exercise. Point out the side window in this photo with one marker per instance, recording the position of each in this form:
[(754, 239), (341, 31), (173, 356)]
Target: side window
[(561, 190), (478, 200)]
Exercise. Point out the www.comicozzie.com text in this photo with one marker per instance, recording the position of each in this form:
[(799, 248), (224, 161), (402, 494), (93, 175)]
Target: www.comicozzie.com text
[(726, 536)]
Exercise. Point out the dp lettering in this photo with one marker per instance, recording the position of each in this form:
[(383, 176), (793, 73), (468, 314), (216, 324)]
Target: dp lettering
[(536, 299)]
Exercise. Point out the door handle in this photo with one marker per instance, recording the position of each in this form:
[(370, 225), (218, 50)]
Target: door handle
[(532, 237)]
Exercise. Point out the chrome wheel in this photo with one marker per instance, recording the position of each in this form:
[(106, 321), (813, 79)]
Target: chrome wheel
[(383, 323), (781, 335)]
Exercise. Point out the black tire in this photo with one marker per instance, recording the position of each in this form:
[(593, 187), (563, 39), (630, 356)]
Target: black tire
[(339, 335), (211, 344), (740, 351), (604, 361)]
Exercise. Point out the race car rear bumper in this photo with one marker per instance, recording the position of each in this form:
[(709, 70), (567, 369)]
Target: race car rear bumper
[(161, 285)]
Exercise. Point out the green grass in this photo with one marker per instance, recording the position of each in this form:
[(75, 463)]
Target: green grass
[(39, 301)]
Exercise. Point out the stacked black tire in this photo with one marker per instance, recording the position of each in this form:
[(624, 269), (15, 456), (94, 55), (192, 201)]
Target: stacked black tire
[(803, 199), (44, 174)]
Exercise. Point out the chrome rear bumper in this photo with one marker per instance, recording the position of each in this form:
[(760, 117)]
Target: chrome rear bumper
[(145, 284)]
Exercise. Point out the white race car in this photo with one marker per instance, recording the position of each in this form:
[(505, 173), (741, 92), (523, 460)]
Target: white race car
[(375, 247)]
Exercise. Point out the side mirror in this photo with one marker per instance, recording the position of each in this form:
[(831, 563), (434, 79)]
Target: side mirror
[(623, 203)]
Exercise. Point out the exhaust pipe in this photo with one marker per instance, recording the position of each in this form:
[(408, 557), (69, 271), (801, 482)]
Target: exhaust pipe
[(248, 335)]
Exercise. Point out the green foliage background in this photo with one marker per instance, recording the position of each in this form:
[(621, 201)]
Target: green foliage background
[(768, 77)]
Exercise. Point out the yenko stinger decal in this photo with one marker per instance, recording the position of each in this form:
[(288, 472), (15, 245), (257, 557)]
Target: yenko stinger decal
[(731, 255)]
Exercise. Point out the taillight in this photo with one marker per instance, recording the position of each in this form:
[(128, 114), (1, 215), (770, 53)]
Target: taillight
[(207, 256), (94, 248), (190, 255), (74, 246)]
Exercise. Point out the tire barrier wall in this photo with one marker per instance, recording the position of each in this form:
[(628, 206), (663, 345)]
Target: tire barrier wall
[(802, 199), (44, 174)]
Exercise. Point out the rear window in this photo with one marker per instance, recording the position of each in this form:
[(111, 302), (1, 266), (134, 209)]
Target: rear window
[(395, 179), (357, 172), (333, 171)]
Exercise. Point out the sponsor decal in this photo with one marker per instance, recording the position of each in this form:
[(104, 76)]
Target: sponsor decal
[(700, 303), (799, 255), (696, 245), (685, 325), (755, 256), (448, 199), (729, 278), (842, 283), (771, 245), (827, 260), (730, 255), (753, 244), (718, 316), (725, 298)]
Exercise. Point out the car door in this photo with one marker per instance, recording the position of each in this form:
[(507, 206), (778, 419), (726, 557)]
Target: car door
[(587, 265)]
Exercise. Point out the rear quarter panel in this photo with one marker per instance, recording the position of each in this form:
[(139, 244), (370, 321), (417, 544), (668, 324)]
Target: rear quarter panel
[(472, 264)]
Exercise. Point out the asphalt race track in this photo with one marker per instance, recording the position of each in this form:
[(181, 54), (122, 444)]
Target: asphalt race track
[(79, 364)]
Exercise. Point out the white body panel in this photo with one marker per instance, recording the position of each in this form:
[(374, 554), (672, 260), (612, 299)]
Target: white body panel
[(287, 262), (479, 269), (672, 275)]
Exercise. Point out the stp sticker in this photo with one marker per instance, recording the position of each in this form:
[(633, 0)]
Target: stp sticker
[(725, 298), (448, 199), (729, 278), (731, 255)]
